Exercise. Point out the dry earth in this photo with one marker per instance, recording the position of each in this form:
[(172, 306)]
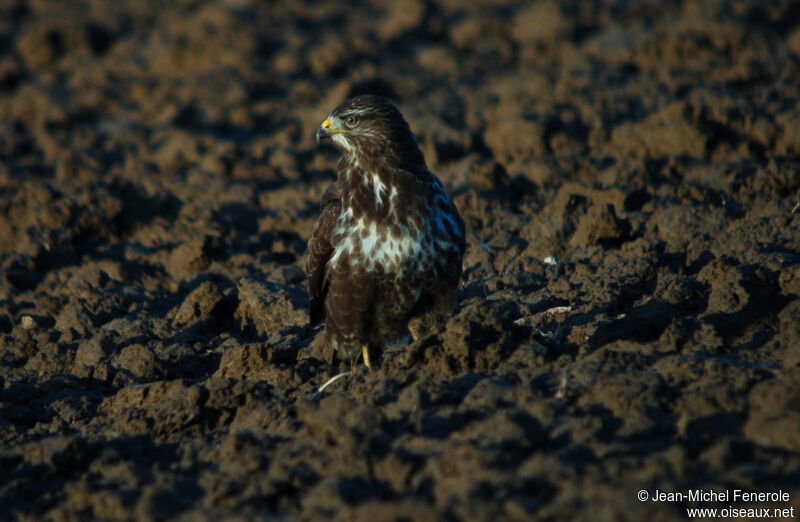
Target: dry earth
[(635, 163)]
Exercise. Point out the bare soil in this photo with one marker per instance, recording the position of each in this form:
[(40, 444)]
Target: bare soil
[(628, 319)]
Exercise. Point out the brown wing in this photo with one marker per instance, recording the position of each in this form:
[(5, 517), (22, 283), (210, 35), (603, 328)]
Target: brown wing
[(319, 252)]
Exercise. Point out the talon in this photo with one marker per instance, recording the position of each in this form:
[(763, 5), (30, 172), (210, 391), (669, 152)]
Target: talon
[(365, 355)]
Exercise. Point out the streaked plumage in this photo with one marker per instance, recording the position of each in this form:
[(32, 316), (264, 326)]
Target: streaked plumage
[(388, 244)]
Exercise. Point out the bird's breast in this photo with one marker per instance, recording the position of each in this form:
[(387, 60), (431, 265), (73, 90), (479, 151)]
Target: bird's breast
[(387, 245)]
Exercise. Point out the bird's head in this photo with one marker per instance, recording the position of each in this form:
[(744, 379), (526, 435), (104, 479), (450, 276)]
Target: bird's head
[(370, 129)]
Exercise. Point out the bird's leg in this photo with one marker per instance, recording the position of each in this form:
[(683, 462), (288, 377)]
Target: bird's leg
[(365, 355)]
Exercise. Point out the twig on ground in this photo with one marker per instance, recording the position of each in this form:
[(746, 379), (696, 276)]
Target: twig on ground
[(328, 383)]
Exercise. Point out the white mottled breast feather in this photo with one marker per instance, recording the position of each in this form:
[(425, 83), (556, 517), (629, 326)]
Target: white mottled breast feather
[(396, 247), (369, 248)]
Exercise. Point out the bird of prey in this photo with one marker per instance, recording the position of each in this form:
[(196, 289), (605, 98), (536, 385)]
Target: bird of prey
[(385, 253)]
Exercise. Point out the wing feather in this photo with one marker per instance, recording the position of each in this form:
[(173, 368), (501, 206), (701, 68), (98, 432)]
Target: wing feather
[(319, 251)]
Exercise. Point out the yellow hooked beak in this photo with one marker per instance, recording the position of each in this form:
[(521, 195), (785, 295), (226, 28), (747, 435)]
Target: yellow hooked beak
[(328, 129)]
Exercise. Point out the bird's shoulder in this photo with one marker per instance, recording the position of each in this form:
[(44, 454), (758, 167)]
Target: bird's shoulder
[(332, 194)]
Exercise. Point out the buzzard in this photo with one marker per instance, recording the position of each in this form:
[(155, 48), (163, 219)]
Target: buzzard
[(385, 252)]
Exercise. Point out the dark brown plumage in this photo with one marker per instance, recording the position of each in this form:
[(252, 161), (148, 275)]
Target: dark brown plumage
[(386, 249)]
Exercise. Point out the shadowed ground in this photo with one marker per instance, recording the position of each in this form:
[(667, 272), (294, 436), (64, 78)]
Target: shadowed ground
[(635, 163)]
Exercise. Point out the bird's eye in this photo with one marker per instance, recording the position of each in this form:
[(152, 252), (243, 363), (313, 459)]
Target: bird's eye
[(351, 120)]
